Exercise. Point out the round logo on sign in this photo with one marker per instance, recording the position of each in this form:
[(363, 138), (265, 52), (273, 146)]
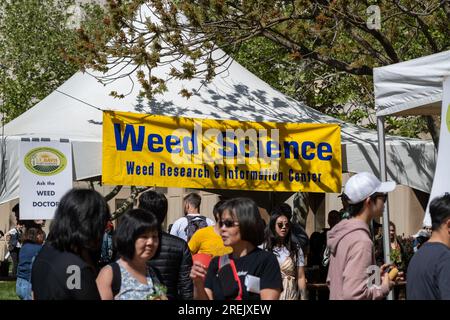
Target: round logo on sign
[(45, 161)]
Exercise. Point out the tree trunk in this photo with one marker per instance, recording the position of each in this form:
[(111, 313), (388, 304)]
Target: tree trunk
[(301, 208), (113, 193), (434, 129)]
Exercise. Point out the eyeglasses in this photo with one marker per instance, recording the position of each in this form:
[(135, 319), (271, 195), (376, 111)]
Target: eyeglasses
[(228, 223), (380, 195), (281, 225)]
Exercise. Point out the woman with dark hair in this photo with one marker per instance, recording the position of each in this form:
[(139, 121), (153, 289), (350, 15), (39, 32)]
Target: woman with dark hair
[(248, 273), (289, 255), (130, 278), (64, 269), (31, 245)]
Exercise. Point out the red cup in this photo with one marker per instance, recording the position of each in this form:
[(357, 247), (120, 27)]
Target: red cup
[(203, 258)]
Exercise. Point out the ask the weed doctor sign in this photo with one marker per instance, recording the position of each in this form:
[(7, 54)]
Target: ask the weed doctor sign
[(45, 175)]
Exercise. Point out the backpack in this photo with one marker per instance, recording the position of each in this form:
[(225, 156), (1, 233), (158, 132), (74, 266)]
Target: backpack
[(194, 223), (326, 257), (106, 255)]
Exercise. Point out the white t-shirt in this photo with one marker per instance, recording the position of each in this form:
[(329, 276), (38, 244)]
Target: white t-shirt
[(282, 253), (179, 226)]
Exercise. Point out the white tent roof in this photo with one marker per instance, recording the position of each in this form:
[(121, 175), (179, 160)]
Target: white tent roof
[(70, 112), (413, 87)]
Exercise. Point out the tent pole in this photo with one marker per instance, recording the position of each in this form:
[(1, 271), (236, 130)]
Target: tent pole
[(383, 177)]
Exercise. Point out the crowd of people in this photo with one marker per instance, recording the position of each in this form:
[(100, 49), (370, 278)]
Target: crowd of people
[(236, 257)]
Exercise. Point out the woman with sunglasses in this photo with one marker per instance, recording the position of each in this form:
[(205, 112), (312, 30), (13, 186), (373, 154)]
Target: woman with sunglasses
[(248, 273), (289, 255)]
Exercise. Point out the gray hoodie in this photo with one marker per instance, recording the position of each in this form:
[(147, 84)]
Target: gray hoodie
[(352, 253)]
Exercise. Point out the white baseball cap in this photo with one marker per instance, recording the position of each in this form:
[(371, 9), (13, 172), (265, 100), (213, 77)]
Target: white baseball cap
[(362, 185)]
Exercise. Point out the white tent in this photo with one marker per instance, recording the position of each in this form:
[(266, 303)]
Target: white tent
[(73, 111), (415, 87)]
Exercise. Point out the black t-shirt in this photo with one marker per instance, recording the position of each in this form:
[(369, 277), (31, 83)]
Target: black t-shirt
[(428, 276), (60, 275), (258, 263)]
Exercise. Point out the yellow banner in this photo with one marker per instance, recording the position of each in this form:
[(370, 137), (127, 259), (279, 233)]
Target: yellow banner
[(150, 150)]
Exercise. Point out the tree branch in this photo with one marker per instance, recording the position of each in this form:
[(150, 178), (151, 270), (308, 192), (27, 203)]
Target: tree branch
[(433, 129), (445, 5), (360, 24), (425, 30), (423, 27), (366, 45), (304, 51), (388, 48), (113, 193), (135, 191)]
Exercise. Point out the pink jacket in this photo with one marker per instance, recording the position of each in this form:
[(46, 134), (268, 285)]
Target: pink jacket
[(351, 250)]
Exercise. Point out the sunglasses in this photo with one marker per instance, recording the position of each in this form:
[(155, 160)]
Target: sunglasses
[(228, 223), (281, 225)]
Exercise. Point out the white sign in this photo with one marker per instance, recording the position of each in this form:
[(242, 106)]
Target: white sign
[(441, 182), (45, 176)]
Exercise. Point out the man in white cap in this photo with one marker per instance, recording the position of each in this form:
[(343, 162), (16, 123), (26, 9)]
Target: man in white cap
[(351, 245)]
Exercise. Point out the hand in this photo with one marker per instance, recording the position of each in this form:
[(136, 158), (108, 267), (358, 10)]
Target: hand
[(400, 277), (386, 281), (198, 272), (385, 268)]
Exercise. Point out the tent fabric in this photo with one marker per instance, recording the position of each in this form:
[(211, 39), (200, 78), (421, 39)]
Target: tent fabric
[(74, 112), (413, 87)]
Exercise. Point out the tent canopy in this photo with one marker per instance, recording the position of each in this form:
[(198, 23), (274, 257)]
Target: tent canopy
[(413, 87), (74, 111)]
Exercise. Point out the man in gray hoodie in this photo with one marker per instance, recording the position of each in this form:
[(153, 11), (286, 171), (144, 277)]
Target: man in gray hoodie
[(350, 242)]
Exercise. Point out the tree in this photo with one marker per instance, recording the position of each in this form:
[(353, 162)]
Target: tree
[(337, 42), (34, 37)]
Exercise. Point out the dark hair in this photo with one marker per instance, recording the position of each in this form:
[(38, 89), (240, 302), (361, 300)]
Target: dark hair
[(133, 224), (272, 239), (352, 209), (251, 225), (440, 210), (79, 221), (391, 224), (283, 209), (31, 235), (16, 210), (334, 217), (194, 199), (155, 202), (217, 209)]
